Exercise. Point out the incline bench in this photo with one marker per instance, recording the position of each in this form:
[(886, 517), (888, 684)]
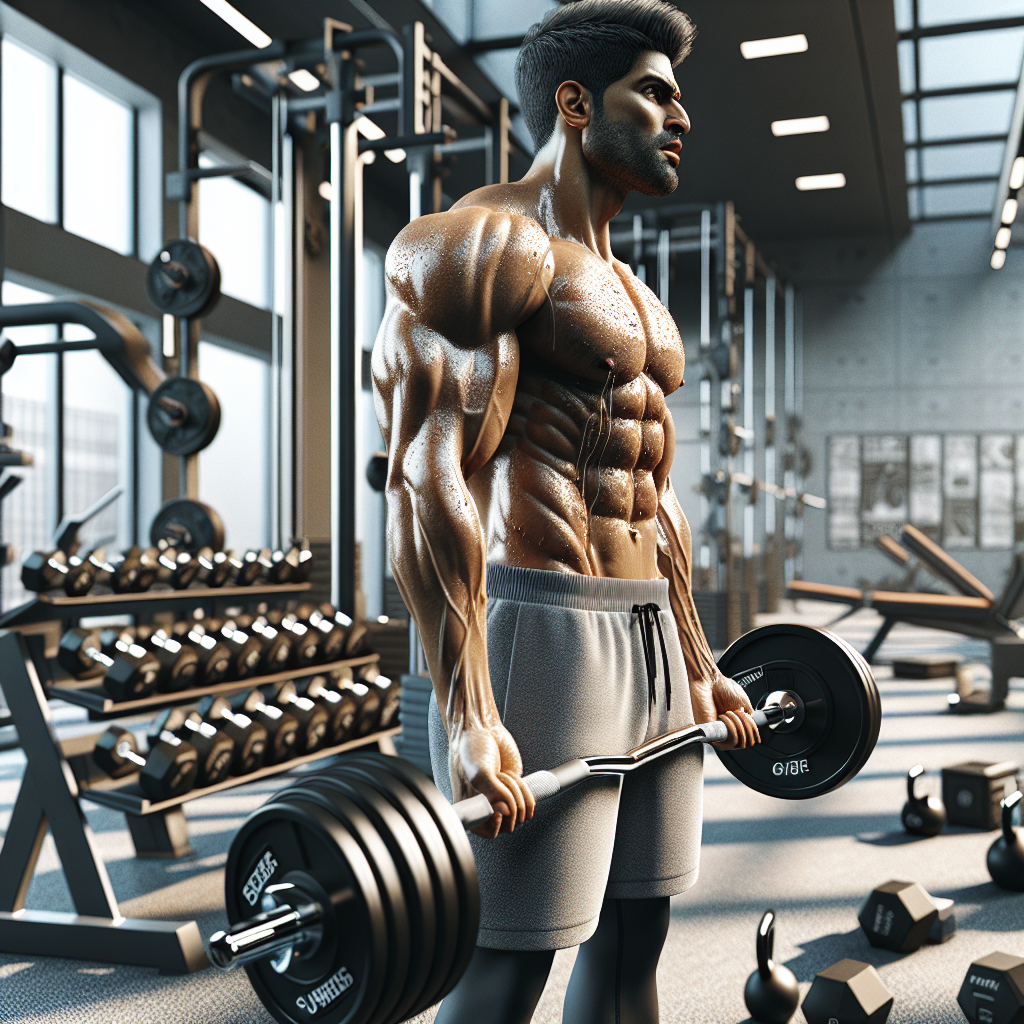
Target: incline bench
[(975, 611)]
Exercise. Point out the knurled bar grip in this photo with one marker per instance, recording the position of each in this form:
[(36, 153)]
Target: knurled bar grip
[(543, 784)]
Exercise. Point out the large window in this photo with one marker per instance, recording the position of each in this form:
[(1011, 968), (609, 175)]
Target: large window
[(234, 472), (29, 121), (99, 171), (234, 224), (81, 144)]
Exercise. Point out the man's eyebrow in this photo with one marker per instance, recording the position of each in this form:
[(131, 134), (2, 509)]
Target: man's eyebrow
[(653, 78)]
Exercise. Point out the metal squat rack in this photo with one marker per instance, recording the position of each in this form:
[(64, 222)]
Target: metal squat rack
[(59, 776)]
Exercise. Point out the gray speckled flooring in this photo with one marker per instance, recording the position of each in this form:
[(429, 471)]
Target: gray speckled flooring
[(813, 862)]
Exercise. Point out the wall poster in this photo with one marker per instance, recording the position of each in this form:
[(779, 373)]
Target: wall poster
[(962, 490)]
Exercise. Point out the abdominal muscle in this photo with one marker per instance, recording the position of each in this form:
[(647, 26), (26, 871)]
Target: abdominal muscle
[(529, 497)]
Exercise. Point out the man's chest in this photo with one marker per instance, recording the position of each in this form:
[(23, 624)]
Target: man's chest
[(601, 320)]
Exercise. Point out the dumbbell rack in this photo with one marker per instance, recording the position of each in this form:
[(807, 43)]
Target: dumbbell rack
[(58, 775)]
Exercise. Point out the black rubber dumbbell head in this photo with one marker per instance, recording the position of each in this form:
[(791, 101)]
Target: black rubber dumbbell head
[(282, 728), (898, 916), (341, 706), (248, 736), (312, 718), (849, 991), (73, 654)]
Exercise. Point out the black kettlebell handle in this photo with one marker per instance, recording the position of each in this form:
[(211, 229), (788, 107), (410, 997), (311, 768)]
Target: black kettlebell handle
[(912, 776), (1008, 804), (766, 945)]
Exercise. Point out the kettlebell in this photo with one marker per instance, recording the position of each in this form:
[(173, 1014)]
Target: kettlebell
[(1006, 854), (771, 993), (922, 816)]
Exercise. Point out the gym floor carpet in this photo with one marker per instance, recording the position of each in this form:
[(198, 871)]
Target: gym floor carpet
[(813, 862)]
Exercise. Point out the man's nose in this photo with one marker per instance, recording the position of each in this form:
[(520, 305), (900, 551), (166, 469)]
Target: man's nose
[(678, 123)]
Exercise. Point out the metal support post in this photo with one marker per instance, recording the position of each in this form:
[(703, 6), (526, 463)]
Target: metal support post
[(789, 405), (770, 528)]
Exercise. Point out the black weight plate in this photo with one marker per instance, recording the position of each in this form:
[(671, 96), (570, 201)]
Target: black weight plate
[(188, 526), (454, 835), (843, 710), (408, 857), (183, 415), (439, 862), (389, 882), (184, 279), (343, 981)]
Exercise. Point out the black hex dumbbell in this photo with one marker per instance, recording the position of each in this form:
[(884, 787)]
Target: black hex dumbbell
[(245, 648), (390, 692), (214, 748), (179, 663), (282, 727), (902, 916), (312, 718), (215, 567), (993, 990), (342, 707), (305, 641), (367, 700), (129, 671), (177, 568), (169, 770), (49, 570), (333, 635), (248, 569), (134, 571), (275, 644), (248, 736), (214, 656), (355, 631), (847, 991)]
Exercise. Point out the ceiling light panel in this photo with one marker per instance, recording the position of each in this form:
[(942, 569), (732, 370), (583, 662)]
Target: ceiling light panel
[(998, 259), (1017, 173), (815, 182), (1003, 237), (1009, 214), (800, 126), (752, 49), (239, 22), (305, 80)]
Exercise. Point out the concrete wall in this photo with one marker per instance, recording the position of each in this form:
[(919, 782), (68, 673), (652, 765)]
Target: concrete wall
[(924, 337)]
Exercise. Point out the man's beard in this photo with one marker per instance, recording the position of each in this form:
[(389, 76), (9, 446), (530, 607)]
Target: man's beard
[(628, 159)]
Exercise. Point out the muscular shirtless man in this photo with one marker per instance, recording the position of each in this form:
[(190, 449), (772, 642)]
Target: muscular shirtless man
[(520, 379)]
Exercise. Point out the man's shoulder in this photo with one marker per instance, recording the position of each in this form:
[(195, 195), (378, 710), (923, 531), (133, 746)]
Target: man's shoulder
[(466, 250)]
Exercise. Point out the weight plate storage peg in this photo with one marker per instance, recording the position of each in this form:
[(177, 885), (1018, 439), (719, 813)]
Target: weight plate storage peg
[(838, 711), (183, 415), (187, 525), (771, 993), (993, 990), (848, 992), (898, 916), (184, 279)]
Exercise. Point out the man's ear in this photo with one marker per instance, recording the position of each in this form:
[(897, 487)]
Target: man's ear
[(574, 104)]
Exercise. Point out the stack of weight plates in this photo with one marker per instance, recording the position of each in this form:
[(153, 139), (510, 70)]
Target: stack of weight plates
[(412, 743), (380, 849)]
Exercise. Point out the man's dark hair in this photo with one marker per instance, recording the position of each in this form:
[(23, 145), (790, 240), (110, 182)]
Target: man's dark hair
[(595, 43)]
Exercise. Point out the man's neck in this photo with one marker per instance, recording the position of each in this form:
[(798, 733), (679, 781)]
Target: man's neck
[(574, 203)]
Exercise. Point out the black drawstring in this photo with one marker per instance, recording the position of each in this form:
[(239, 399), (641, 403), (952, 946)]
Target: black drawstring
[(648, 618)]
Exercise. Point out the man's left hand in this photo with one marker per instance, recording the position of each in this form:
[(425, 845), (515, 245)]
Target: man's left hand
[(725, 701)]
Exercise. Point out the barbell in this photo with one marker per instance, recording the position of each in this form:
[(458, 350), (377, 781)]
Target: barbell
[(352, 895)]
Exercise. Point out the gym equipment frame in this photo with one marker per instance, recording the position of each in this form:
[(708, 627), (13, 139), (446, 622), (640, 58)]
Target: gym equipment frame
[(60, 774)]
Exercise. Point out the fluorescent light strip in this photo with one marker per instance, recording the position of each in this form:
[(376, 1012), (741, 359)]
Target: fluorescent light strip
[(1017, 173), (800, 126), (305, 80), (754, 48), (371, 130), (239, 22), (814, 182), (998, 259)]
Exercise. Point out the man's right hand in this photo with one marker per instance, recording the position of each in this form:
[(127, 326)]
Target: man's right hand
[(485, 759)]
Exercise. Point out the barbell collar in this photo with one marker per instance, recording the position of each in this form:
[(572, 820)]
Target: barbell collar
[(277, 934)]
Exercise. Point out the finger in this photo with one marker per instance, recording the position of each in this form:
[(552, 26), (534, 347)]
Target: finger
[(753, 733), (499, 794), (515, 788), (730, 742), (488, 829)]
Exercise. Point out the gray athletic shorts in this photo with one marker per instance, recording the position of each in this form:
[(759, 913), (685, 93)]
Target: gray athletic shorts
[(569, 677)]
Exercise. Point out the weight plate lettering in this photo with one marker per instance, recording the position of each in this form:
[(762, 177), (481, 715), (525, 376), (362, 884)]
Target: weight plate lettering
[(343, 981), (842, 710)]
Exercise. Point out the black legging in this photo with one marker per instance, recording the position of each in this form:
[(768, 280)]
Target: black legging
[(614, 980)]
